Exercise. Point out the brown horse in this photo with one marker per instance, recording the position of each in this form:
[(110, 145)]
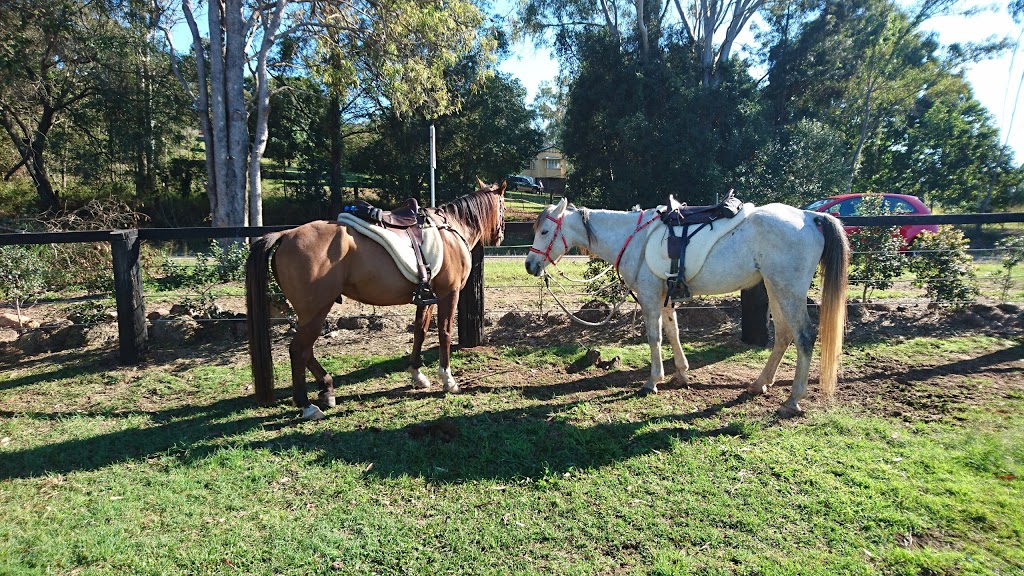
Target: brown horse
[(318, 263)]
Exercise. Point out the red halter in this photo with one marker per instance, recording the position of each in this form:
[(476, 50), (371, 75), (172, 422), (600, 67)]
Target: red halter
[(639, 227), (558, 228)]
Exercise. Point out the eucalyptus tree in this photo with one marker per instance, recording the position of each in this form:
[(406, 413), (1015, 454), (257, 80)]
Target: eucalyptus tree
[(709, 28), (857, 66), (395, 49), (50, 53)]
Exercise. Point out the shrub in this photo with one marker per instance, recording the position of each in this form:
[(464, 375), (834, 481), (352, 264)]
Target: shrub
[(22, 275), (1013, 254), (943, 267), (219, 266), (876, 260)]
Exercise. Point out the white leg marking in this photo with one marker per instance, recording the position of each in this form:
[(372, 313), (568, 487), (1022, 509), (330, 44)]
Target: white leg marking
[(419, 381), (450, 385), (312, 412)]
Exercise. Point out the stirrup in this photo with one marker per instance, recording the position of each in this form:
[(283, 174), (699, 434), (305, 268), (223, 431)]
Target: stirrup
[(424, 296), (678, 291)]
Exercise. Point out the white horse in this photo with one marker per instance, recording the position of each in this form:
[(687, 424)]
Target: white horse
[(776, 243)]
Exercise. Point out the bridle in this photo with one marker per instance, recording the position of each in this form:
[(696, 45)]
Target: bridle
[(558, 229)]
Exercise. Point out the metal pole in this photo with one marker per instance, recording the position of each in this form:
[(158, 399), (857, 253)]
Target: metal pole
[(433, 166)]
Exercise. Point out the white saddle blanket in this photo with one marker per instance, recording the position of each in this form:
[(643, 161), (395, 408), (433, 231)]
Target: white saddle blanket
[(656, 251), (399, 245)]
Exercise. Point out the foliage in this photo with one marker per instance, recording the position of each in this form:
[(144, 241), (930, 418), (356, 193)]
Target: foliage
[(489, 139), (635, 132), (876, 260), (801, 163), (605, 284), (943, 267), (22, 275), (220, 265), (1012, 248)]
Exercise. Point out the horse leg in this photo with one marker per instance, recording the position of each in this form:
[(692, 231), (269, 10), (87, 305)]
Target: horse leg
[(324, 380), (445, 315), (791, 315), (652, 318), (806, 334), (671, 326), (301, 352), (783, 338), (423, 315)]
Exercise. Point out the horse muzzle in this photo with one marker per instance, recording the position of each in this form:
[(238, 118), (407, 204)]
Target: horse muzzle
[(533, 267)]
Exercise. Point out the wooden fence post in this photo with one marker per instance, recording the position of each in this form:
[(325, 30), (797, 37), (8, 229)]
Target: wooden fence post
[(131, 310), (754, 315), (471, 304)]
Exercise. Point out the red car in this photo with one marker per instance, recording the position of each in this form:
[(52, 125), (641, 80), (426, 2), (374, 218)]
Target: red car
[(849, 205)]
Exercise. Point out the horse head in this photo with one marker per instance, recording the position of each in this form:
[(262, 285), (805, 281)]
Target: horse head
[(492, 229), (549, 237)]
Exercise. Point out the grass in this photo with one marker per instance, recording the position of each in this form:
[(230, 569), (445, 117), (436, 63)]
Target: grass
[(171, 469)]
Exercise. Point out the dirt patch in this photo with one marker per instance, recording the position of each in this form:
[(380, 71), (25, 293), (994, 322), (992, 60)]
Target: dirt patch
[(922, 389)]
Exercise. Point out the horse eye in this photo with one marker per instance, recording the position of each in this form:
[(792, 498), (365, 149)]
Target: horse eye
[(544, 233)]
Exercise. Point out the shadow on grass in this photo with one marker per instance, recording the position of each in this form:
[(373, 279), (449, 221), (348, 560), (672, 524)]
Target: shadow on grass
[(502, 445), (71, 364)]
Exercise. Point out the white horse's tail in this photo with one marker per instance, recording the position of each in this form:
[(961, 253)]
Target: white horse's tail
[(835, 262)]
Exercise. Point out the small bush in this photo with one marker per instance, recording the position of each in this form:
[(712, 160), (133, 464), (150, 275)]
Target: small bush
[(22, 275), (1013, 254), (943, 267), (876, 261)]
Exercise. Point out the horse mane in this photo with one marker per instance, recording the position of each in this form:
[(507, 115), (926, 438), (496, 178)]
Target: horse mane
[(470, 209), (584, 214)]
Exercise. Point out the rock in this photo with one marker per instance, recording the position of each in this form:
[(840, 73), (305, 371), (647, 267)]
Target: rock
[(180, 310), (352, 323), (174, 329), (594, 311), (156, 314), (10, 320), (1009, 308), (513, 320), (987, 312)]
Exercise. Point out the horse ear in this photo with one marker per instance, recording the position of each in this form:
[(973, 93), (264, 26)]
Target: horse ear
[(480, 183), (501, 189), (560, 207)]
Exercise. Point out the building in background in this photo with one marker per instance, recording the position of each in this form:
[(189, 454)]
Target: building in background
[(548, 167)]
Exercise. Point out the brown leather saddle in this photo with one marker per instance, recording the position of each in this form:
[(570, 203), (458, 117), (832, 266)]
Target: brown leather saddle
[(409, 219), (677, 214)]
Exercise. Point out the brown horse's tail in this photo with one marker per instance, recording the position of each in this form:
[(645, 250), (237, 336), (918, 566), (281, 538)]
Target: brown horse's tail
[(257, 316), (835, 262)]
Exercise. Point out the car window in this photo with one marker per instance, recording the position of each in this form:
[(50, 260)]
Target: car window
[(898, 206), (848, 207), (816, 204)]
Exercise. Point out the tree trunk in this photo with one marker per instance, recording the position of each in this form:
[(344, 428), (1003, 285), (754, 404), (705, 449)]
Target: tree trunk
[(337, 179)]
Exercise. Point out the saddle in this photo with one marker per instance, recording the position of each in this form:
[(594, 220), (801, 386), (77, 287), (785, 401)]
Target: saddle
[(409, 219), (678, 215)]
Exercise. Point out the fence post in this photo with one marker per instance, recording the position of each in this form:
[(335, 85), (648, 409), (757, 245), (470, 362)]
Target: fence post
[(471, 304), (131, 311), (754, 315)]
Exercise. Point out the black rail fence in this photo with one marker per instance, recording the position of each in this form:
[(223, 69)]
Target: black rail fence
[(130, 301)]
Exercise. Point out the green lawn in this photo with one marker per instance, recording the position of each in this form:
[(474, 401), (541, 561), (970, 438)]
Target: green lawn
[(171, 469)]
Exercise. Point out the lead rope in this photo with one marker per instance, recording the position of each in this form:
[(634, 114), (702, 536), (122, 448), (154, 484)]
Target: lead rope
[(573, 317)]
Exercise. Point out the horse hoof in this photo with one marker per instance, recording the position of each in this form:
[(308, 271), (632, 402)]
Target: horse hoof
[(680, 379), (312, 412), (788, 410), (757, 389), (452, 388), (645, 391), (327, 400), (419, 381)]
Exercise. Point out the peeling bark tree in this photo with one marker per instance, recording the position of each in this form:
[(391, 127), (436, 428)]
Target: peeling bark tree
[(221, 105)]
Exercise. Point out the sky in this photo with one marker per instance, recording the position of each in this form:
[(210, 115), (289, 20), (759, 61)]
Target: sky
[(995, 82)]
